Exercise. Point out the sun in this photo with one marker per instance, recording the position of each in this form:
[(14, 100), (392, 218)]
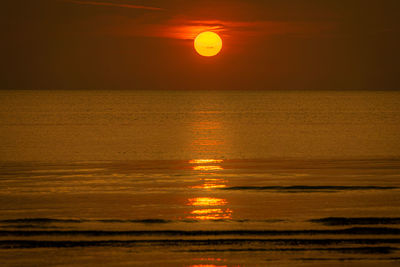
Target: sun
[(208, 44)]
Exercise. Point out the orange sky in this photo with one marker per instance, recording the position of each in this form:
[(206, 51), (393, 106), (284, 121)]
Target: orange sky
[(129, 44)]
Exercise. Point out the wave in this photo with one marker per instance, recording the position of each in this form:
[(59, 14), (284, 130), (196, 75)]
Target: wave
[(49, 220), (309, 189), (41, 220), (349, 259), (29, 244), (341, 221), (347, 231), (47, 223), (7, 244), (352, 250)]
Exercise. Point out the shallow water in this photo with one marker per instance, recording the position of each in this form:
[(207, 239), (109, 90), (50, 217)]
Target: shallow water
[(199, 178)]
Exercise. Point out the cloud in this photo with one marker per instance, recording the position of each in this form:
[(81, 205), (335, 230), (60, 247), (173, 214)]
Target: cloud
[(187, 29), (173, 24), (93, 3)]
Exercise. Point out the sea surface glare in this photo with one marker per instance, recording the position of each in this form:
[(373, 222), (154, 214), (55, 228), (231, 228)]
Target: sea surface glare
[(199, 178)]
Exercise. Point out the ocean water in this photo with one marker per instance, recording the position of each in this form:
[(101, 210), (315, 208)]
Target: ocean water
[(199, 178)]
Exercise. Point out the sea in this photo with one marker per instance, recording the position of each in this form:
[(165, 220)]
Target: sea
[(199, 178)]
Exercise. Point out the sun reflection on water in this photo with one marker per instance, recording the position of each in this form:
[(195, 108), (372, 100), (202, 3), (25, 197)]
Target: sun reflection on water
[(207, 168), (207, 265), (205, 161), (207, 201), (211, 214), (209, 186), (218, 260), (212, 207), (211, 183)]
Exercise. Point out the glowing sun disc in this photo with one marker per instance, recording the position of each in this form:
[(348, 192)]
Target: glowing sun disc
[(208, 44)]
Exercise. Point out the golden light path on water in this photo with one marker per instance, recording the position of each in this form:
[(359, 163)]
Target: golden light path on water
[(207, 168), (209, 208), (205, 161), (211, 184), (209, 259), (207, 201), (208, 265)]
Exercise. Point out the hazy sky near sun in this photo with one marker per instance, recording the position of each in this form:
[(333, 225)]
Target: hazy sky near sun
[(138, 44)]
